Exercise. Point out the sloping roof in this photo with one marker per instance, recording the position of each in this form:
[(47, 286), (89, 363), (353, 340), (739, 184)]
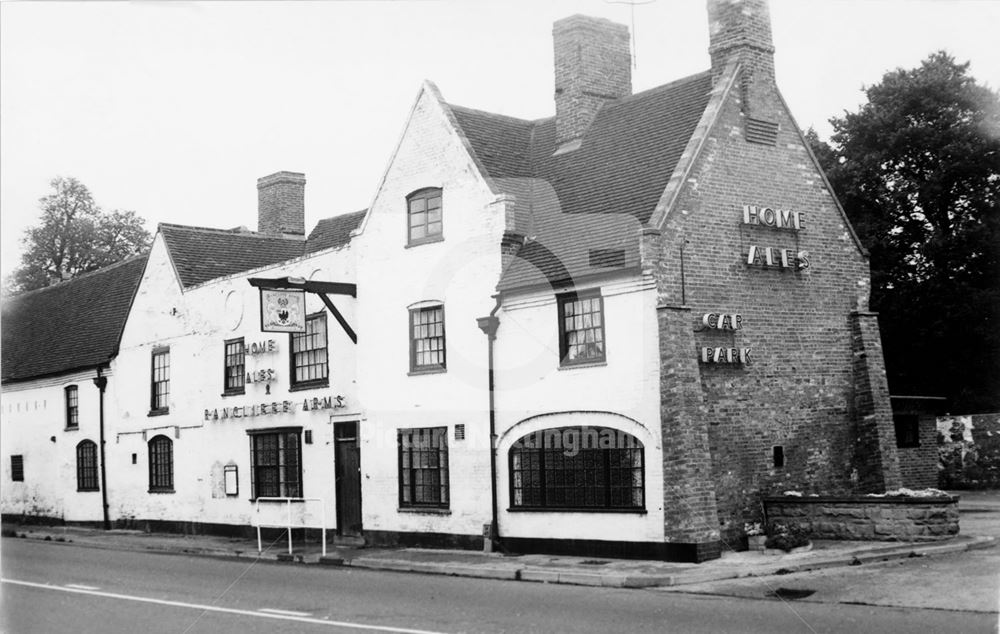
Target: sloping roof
[(596, 197), (201, 254), (334, 232), (70, 326)]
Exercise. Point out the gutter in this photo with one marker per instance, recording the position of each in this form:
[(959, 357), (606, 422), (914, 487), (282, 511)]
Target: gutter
[(489, 327)]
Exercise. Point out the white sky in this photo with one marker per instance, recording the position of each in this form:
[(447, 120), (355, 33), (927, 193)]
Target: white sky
[(174, 109)]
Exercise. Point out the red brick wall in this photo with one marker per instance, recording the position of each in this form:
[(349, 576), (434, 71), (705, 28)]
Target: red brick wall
[(799, 391)]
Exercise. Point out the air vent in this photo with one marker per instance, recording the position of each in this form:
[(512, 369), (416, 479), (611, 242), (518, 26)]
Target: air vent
[(460, 431), (765, 132), (607, 258)]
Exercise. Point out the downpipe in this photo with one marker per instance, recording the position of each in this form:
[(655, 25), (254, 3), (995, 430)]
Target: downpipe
[(101, 382), (489, 326)]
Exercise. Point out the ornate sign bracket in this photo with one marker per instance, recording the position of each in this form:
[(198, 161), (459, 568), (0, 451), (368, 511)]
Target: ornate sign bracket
[(320, 289)]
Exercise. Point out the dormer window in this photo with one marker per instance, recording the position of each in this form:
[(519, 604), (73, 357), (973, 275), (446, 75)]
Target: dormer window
[(423, 216)]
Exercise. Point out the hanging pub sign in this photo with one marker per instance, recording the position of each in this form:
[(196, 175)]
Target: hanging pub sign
[(282, 310)]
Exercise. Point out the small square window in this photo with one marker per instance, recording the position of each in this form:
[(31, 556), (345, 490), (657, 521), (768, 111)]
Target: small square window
[(423, 214), (581, 328)]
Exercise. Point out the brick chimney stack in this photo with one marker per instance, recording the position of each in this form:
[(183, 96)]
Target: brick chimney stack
[(741, 28), (593, 65), (281, 206)]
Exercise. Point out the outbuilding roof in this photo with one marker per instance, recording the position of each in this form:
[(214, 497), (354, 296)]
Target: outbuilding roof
[(582, 209), (201, 254), (69, 326)]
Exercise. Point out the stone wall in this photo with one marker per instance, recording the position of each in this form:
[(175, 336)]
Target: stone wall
[(867, 518)]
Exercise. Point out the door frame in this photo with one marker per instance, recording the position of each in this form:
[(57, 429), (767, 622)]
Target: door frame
[(341, 433)]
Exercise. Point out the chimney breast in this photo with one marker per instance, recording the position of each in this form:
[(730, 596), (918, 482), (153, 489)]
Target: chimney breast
[(741, 28), (592, 65), (281, 204)]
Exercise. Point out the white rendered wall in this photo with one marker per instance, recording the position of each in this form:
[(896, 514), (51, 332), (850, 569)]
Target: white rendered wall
[(195, 325), (461, 272), (533, 392)]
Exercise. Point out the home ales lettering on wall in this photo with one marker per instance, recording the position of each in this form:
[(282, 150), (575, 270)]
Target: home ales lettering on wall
[(771, 256)]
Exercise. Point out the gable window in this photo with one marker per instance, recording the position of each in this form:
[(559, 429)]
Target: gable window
[(907, 430), (583, 468), (159, 389), (17, 468), (72, 407), (309, 354), (234, 368), (161, 464), (424, 215), (275, 463), (581, 328), (86, 466), (427, 351), (423, 467)]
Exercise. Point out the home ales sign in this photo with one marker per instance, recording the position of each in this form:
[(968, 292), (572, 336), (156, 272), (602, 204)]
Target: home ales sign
[(758, 255)]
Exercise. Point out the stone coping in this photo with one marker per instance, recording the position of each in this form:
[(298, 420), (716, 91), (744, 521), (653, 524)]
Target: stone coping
[(860, 499)]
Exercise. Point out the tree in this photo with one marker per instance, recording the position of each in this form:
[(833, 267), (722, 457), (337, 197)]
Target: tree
[(917, 169), (75, 236)]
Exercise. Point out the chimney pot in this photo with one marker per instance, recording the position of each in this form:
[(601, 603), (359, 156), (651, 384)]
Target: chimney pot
[(281, 203)]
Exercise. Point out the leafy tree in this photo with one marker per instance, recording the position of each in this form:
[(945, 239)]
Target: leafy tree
[(917, 169), (74, 236)]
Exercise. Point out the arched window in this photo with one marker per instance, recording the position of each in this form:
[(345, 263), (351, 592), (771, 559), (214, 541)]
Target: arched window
[(161, 464), (581, 468), (423, 216), (86, 466)]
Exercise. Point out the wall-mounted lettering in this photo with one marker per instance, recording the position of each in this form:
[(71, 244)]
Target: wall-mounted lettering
[(775, 218), (726, 355), (261, 347), (262, 376), (275, 407), (722, 322), (783, 258)]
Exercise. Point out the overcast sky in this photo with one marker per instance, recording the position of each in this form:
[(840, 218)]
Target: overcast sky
[(174, 109)]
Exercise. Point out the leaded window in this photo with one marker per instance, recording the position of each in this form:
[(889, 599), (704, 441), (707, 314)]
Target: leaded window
[(587, 468), (581, 328), (72, 406), (86, 466), (427, 349), (276, 463), (235, 367), (161, 464), (424, 216), (309, 353), (423, 467), (160, 381)]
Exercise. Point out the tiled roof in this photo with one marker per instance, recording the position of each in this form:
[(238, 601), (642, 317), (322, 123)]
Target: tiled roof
[(592, 198), (201, 254), (72, 325), (334, 232)]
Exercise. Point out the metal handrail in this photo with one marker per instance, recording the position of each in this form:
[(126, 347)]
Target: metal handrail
[(288, 526)]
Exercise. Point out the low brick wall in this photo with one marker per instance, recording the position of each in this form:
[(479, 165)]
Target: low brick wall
[(867, 518)]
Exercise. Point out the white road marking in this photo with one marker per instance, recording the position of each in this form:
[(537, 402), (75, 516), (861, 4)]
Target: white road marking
[(80, 586), (214, 608), (285, 612)]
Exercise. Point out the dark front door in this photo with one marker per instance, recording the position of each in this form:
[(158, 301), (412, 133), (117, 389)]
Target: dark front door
[(347, 467)]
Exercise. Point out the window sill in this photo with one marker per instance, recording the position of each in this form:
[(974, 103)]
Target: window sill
[(574, 510), (422, 241), (234, 393), (586, 364), (160, 491), (421, 371), (88, 490), (159, 412), (76, 428), (302, 387), (430, 510)]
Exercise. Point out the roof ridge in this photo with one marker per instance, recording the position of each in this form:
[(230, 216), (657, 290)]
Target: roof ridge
[(81, 276), (344, 215), (231, 232), (496, 115), (661, 87)]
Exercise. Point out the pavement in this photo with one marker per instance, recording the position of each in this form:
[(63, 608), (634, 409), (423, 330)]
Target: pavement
[(620, 573)]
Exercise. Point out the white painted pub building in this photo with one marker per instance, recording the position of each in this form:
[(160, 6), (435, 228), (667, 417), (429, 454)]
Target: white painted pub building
[(570, 334)]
